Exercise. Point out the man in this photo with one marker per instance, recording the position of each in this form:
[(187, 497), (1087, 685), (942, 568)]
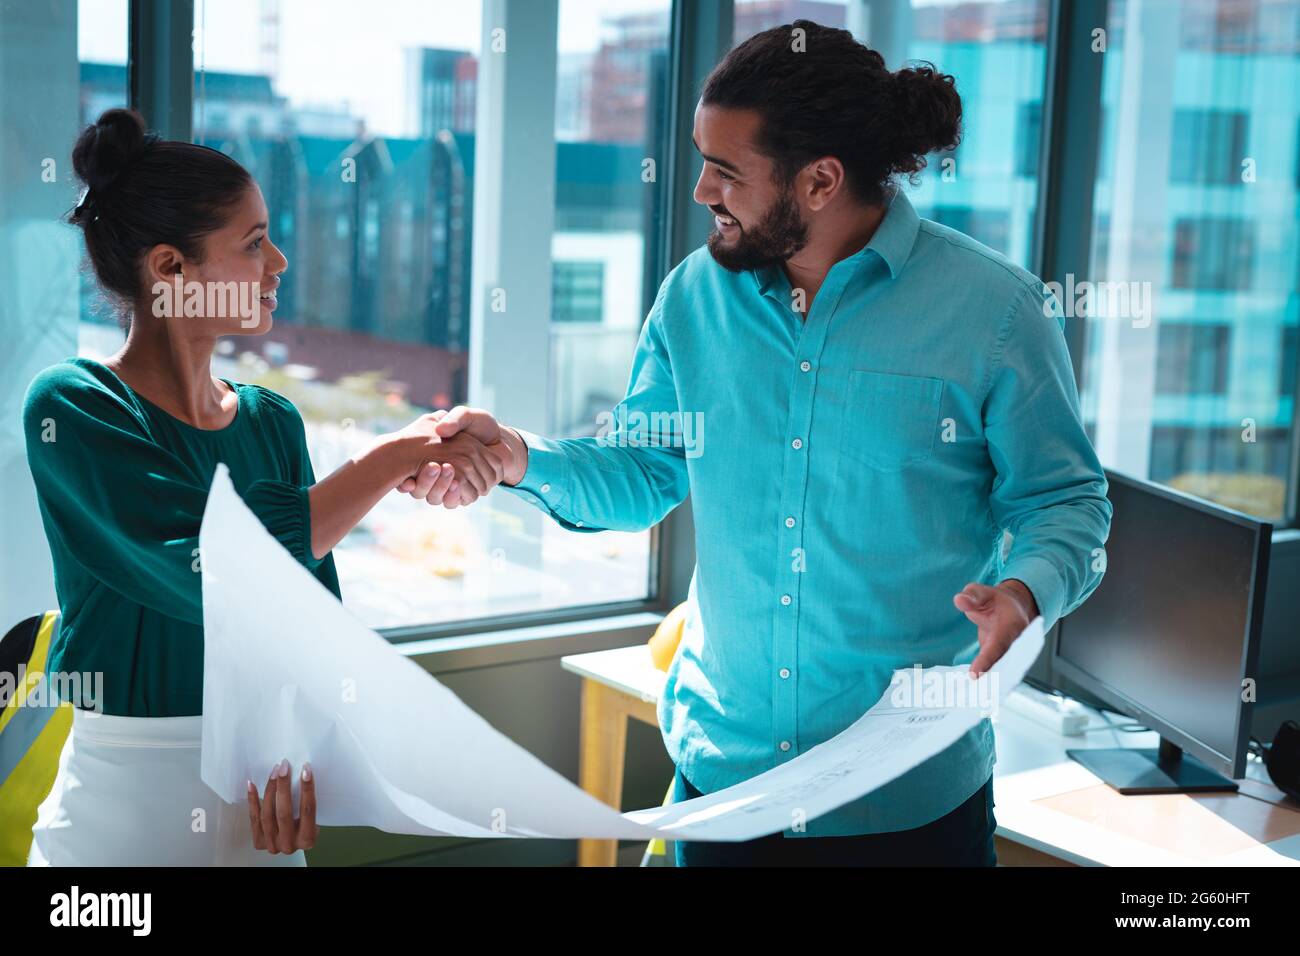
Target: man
[(884, 397)]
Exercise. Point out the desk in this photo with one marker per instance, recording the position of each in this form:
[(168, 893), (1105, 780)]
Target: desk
[(617, 684), (1051, 811)]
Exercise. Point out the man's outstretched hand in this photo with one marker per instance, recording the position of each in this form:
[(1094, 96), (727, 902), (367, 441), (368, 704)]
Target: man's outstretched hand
[(433, 484), (1000, 613), (449, 471)]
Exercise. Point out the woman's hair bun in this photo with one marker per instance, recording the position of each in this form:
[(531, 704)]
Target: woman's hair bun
[(104, 150), (928, 115)]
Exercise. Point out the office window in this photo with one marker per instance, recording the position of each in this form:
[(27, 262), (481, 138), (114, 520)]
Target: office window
[(1232, 472), (362, 132), (101, 49), (1029, 133), (611, 116), (1192, 359), (1205, 406), (58, 62), (1213, 254), (99, 85), (579, 291), (1289, 357), (996, 51), (1208, 146), (1100, 244), (993, 226)]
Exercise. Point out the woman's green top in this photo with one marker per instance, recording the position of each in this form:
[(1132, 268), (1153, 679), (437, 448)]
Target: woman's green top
[(122, 486)]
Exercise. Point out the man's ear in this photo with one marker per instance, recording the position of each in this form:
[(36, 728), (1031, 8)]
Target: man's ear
[(163, 263), (824, 179)]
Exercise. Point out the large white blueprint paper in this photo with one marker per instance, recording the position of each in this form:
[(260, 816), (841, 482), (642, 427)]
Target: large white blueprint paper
[(289, 672)]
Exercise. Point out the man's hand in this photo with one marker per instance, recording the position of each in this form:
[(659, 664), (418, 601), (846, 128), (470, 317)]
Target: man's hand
[(451, 471), (500, 438), (1000, 613), (474, 421), (503, 443)]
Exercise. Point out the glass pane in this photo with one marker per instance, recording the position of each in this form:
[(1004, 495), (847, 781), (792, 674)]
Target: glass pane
[(987, 186), (611, 100), (360, 131), (1190, 373), (101, 50), (610, 108), (98, 83), (58, 61)]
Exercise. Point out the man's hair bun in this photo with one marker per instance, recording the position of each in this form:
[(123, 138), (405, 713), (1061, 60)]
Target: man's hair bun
[(927, 117), (831, 96)]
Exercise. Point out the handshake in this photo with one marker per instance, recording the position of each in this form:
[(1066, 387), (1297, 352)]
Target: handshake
[(459, 455)]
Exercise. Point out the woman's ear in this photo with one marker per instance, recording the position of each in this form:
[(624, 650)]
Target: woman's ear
[(163, 263)]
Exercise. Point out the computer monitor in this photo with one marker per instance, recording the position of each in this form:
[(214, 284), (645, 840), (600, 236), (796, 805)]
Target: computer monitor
[(1171, 637)]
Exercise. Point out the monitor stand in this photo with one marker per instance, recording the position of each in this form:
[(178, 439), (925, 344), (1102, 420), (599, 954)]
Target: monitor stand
[(1143, 771)]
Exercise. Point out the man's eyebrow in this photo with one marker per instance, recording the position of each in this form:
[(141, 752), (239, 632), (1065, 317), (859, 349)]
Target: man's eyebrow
[(256, 226), (716, 161)]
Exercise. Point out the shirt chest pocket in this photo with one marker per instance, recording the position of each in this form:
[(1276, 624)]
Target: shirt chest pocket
[(891, 420)]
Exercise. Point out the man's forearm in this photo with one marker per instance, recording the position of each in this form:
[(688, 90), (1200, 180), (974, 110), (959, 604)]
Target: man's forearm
[(590, 483)]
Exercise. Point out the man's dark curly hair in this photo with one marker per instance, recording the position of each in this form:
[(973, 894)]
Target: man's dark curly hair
[(822, 93)]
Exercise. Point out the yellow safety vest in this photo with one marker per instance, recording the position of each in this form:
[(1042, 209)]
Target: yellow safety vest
[(31, 740)]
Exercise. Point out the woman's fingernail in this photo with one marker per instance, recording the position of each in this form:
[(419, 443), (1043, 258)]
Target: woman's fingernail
[(251, 788), (284, 767), (306, 772)]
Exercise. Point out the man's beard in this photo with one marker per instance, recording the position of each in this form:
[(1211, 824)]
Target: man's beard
[(779, 235)]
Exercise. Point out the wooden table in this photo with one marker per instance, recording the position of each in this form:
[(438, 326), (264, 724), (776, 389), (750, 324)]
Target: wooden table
[(616, 684), (1050, 809)]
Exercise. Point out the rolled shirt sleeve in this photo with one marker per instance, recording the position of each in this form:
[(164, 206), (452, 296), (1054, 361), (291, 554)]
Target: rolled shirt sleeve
[(1050, 490), (633, 472)]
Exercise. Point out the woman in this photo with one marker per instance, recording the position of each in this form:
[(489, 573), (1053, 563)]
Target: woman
[(122, 454)]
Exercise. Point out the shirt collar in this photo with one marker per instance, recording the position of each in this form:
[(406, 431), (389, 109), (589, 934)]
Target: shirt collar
[(892, 242), (896, 234), (768, 276)]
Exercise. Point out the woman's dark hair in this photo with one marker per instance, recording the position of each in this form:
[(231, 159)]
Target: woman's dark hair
[(142, 191), (822, 93)]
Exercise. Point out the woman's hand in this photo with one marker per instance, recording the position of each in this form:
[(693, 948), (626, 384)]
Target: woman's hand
[(453, 471), (271, 819), (464, 466)]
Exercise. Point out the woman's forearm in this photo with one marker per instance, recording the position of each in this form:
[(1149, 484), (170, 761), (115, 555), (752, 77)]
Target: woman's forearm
[(343, 498)]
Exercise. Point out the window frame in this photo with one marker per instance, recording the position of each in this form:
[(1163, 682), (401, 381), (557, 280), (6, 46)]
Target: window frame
[(161, 85), (1070, 154), (160, 72)]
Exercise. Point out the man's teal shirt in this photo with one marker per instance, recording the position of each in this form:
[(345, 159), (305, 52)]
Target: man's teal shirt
[(848, 475)]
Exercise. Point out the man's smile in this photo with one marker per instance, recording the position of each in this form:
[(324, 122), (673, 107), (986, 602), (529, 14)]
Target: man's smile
[(726, 224)]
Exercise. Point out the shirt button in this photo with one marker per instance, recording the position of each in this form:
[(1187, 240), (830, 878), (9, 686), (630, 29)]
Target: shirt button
[(805, 366), (545, 488), (789, 522), (785, 673), (785, 745), (797, 444), (785, 599)]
